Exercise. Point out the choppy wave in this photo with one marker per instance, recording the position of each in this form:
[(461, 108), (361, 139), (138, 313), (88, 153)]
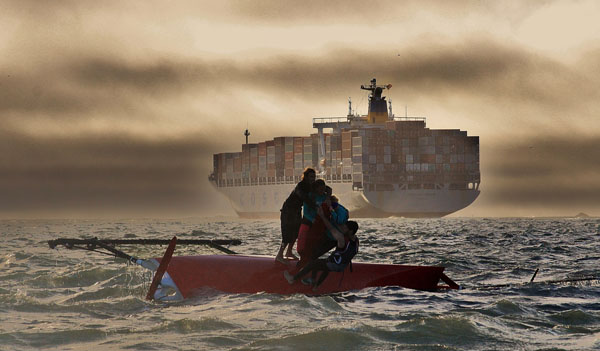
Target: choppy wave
[(68, 299)]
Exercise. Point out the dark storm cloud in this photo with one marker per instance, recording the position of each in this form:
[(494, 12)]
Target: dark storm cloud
[(276, 12), (364, 13), (108, 84), (78, 85), (477, 68), (103, 172), (28, 93), (114, 149), (103, 72), (52, 93), (553, 171), (311, 11), (161, 76)]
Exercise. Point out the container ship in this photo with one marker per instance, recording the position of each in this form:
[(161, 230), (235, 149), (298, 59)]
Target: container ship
[(378, 165)]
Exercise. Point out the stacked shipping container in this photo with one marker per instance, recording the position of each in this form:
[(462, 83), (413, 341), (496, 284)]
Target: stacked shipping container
[(399, 155), (279, 160)]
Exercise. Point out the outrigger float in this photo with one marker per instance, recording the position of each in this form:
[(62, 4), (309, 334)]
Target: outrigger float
[(182, 277)]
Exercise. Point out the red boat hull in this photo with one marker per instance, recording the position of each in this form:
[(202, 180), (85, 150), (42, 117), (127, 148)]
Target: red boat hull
[(253, 274)]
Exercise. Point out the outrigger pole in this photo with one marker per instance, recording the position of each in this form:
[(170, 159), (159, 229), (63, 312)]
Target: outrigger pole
[(93, 244), (160, 288), (108, 244)]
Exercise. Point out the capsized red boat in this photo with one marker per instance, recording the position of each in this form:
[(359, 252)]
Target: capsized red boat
[(181, 277), (189, 275)]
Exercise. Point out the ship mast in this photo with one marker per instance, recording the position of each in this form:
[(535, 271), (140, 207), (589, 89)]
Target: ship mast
[(247, 134), (349, 107)]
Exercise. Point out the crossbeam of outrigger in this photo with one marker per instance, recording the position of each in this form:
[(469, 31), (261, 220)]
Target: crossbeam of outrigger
[(92, 244)]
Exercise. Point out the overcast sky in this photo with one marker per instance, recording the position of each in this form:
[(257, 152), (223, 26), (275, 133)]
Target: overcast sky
[(115, 108)]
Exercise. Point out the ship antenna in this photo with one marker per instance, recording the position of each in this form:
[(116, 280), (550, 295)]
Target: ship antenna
[(247, 134), (349, 107)]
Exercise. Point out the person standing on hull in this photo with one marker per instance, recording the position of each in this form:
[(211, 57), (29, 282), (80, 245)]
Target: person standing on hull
[(291, 214), (309, 234)]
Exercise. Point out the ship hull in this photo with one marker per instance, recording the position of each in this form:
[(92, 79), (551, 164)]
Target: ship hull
[(421, 202), (265, 201)]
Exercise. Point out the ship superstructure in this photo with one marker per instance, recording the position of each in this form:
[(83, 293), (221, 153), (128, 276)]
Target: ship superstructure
[(377, 164)]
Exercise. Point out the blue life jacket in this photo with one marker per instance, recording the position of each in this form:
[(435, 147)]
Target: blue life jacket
[(338, 216), (309, 212), (341, 258)]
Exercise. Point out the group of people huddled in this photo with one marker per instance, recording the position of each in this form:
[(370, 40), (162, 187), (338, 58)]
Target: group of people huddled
[(314, 216)]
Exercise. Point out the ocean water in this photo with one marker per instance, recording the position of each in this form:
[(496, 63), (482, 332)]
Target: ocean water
[(76, 300)]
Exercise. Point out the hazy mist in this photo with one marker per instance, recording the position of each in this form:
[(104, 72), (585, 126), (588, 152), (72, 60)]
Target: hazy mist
[(116, 109)]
